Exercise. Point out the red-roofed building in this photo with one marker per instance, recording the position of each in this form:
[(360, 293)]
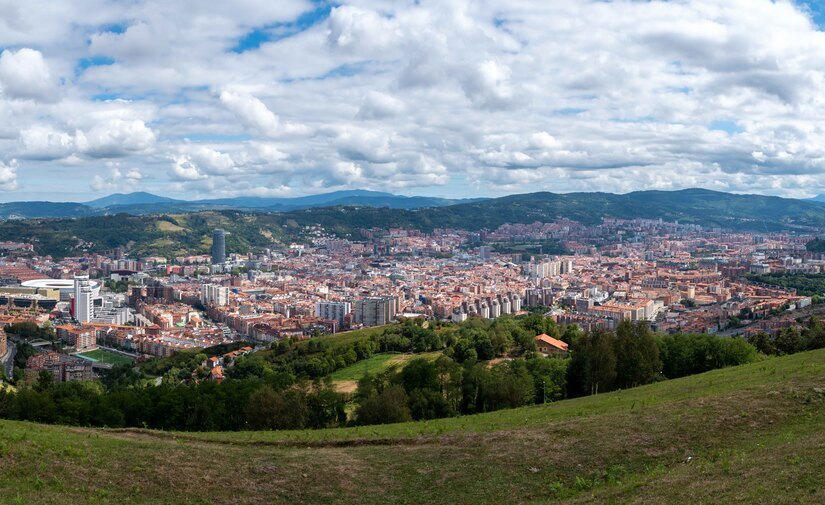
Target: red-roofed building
[(549, 345)]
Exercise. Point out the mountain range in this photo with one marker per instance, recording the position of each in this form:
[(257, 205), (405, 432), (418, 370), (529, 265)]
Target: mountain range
[(179, 227), (141, 203)]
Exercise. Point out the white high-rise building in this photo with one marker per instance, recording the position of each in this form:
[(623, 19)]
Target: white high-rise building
[(333, 311), (212, 294), (376, 310), (83, 299), (542, 269)]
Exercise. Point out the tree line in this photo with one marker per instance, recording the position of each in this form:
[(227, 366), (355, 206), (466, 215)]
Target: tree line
[(483, 366), (806, 336)]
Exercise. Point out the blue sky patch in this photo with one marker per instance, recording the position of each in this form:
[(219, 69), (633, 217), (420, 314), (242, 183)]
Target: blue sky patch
[(724, 125), (215, 137), (94, 61), (569, 111), (277, 31)]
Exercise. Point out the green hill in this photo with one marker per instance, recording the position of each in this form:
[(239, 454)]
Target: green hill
[(748, 434), (692, 206), (186, 232)]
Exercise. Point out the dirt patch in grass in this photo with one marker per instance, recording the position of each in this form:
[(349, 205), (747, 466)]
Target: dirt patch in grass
[(166, 226), (346, 386)]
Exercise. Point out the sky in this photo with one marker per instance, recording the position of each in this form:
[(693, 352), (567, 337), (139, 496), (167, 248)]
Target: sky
[(452, 98)]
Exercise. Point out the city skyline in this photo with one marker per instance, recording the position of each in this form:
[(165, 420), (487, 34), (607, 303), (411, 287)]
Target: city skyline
[(445, 99)]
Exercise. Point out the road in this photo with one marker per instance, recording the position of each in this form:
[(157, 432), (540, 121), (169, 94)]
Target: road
[(7, 361)]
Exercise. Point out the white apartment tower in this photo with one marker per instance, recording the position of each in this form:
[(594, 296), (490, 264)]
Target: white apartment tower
[(83, 299), (212, 294), (333, 311)]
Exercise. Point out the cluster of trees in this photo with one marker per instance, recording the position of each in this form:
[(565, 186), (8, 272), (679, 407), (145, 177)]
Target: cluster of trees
[(806, 337), (483, 366), (471, 341), (120, 286), (277, 403), (633, 355), (686, 354), (30, 330), (805, 284), (427, 389)]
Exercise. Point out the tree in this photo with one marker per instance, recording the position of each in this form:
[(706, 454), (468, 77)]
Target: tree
[(325, 407), (601, 362), (389, 406), (268, 410), (763, 343), (637, 355), (509, 385), (789, 341), (45, 381), (814, 334), (577, 369), (549, 377), (419, 373)]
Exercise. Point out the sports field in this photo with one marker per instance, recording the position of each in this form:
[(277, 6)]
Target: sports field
[(105, 356)]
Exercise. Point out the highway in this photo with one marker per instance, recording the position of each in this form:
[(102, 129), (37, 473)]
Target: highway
[(7, 361)]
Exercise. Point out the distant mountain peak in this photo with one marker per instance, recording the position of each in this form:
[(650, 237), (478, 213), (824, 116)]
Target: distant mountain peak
[(136, 198)]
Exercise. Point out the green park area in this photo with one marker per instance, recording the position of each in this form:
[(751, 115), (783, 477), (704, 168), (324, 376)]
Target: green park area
[(105, 356)]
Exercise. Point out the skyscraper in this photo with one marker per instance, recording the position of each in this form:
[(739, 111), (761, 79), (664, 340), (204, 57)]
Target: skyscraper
[(218, 247), (83, 303)]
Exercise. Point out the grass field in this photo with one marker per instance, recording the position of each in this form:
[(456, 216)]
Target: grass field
[(377, 364), (348, 337), (105, 356), (751, 434)]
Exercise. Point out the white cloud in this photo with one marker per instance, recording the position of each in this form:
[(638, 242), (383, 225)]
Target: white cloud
[(183, 169), (8, 176), (43, 143), (251, 112), (24, 74), (117, 179), (377, 105), (110, 138), (488, 97), (115, 138)]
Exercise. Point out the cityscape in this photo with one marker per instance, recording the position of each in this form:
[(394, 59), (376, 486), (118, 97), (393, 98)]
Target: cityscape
[(676, 278), (412, 252)]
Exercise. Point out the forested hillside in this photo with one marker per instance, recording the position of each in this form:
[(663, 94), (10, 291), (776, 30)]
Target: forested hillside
[(179, 232)]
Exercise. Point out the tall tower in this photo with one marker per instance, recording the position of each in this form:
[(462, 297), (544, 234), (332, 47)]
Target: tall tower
[(218, 247), (83, 304)]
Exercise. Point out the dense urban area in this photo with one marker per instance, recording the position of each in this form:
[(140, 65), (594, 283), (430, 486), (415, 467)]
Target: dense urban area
[(395, 324)]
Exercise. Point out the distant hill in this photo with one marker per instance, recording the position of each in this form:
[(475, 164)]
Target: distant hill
[(30, 210), (137, 198), (142, 203), (190, 223), (690, 206)]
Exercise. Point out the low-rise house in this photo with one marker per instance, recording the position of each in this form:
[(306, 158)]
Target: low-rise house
[(550, 346)]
